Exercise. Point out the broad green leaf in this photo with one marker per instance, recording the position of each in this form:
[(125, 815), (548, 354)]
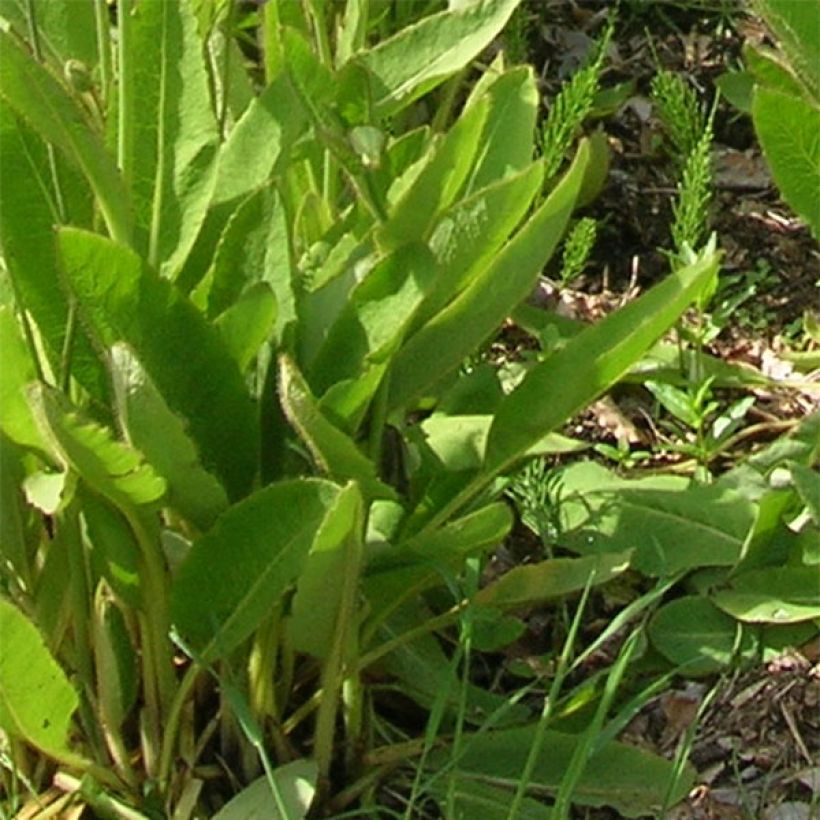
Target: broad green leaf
[(377, 314), (16, 373), (557, 388), (442, 344), (110, 467), (470, 232), (421, 56), (254, 247), (122, 300), (771, 69), (40, 100), (554, 578), (459, 442), (335, 453), (789, 131), (65, 29), (167, 131), (296, 784), (671, 526), (693, 633), (254, 146), (161, 435), (507, 140), (779, 595), (235, 574), (248, 323), (632, 781), (28, 213), (317, 604), (36, 698), (797, 27), (437, 183)]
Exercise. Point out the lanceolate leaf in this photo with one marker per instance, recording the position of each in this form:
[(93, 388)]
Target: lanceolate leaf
[(443, 343), (160, 434), (788, 127), (556, 389), (554, 578), (335, 452), (168, 135), (634, 782), (40, 100), (317, 605), (112, 468), (235, 574), (36, 699), (123, 300), (422, 55), (28, 214), (772, 595)]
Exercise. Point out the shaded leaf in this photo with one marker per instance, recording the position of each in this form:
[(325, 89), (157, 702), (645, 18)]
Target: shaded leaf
[(554, 578), (693, 633), (162, 436), (39, 99), (235, 574), (122, 300), (248, 323)]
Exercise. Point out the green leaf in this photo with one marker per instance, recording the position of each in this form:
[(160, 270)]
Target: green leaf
[(788, 129), (797, 28), (671, 526), (693, 633), (296, 783), (65, 29), (236, 574), (161, 435), (437, 183), (779, 595), (259, 140), (470, 232), (248, 323), (807, 483), (123, 300), (36, 699), (28, 213), (423, 55), (507, 140), (442, 344), (112, 468), (42, 102), (375, 318), (254, 247), (116, 662), (115, 552), (557, 388), (632, 781), (16, 420), (167, 131), (485, 801), (317, 604), (554, 578), (16, 518), (335, 453)]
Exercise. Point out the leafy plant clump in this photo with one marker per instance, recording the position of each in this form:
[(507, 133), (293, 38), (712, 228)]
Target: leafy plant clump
[(246, 480)]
